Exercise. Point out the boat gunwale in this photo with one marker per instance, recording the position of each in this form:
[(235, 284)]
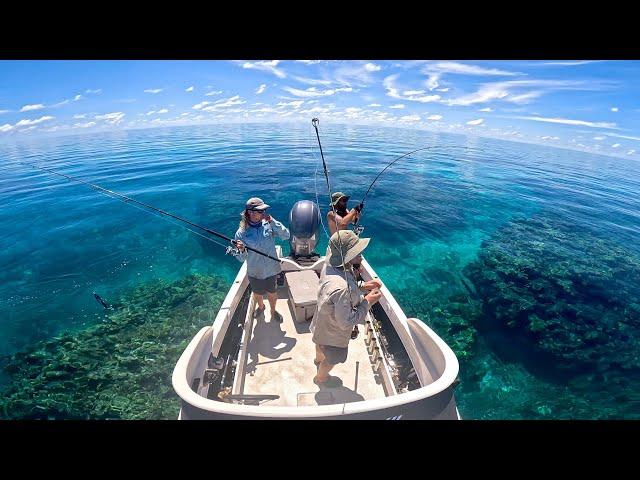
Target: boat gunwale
[(182, 386)]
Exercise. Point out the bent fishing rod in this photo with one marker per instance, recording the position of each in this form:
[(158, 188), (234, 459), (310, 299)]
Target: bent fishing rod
[(358, 229), (361, 205), (129, 200)]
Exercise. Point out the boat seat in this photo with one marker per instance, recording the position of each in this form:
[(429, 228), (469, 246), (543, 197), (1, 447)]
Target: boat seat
[(303, 293)]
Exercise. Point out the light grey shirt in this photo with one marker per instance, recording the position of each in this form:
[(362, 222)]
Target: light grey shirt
[(337, 312)]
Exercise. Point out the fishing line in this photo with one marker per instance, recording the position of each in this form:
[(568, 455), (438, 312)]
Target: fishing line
[(150, 209)]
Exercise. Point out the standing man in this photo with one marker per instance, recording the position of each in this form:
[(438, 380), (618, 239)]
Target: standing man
[(341, 305), (257, 229), (342, 217)]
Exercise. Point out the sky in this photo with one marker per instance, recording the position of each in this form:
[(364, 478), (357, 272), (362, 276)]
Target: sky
[(588, 105)]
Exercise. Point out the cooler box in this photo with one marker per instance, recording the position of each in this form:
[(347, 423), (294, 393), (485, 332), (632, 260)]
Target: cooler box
[(303, 293)]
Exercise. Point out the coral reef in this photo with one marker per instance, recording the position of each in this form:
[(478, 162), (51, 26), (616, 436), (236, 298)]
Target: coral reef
[(120, 368), (574, 295), (451, 316)]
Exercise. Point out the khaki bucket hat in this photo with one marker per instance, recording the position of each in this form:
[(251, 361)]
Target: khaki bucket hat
[(335, 198), (352, 246)]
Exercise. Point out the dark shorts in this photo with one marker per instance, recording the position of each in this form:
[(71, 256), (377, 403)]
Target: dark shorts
[(334, 355), (262, 286)]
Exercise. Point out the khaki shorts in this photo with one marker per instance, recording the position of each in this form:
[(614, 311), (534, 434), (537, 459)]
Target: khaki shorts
[(334, 355)]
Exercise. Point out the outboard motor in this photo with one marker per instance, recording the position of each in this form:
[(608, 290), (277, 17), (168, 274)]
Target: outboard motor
[(304, 219)]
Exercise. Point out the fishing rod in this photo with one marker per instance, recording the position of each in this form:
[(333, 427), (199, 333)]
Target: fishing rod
[(315, 122), (126, 199), (359, 229)]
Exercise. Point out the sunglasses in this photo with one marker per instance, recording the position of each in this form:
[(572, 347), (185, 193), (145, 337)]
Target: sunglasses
[(256, 211)]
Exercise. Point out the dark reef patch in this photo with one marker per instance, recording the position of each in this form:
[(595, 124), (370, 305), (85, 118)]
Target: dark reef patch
[(120, 368)]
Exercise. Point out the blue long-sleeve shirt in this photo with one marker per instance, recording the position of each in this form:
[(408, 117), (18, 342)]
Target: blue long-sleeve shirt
[(262, 239)]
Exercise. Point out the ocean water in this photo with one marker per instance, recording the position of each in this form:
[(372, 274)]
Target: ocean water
[(446, 225)]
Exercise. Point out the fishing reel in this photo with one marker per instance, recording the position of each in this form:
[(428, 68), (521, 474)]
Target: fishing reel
[(232, 250), (358, 230)]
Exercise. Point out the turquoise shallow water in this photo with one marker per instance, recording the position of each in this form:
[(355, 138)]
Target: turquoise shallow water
[(432, 217)]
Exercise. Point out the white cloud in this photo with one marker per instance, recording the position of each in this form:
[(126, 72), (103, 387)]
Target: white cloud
[(198, 106), (357, 74), (598, 138), (190, 89), (84, 125), (163, 110), (410, 118), (398, 105), (465, 69), (213, 92), (615, 145), (436, 70), (504, 91), (372, 67), (313, 81), (4, 111), (442, 89), (153, 90), (579, 62), (374, 105), (261, 89), (487, 109), (99, 90), (224, 103), (314, 92), (36, 106), (476, 122), (113, 118), (33, 122), (567, 121), (628, 137), (294, 103), (77, 97), (309, 62), (151, 112), (614, 109), (6, 127), (80, 115), (547, 137), (631, 152), (413, 92), (434, 117), (393, 92), (267, 67), (184, 114)]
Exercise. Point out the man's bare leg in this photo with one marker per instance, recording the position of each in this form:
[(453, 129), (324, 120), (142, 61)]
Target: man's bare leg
[(323, 371), (319, 355)]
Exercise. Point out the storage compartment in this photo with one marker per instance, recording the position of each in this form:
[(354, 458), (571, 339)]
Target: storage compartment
[(303, 293)]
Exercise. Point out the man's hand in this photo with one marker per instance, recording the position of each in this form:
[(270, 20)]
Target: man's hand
[(240, 245), (371, 284), (373, 296), (358, 208)]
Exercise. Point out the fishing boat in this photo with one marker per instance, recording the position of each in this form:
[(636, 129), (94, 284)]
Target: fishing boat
[(243, 367)]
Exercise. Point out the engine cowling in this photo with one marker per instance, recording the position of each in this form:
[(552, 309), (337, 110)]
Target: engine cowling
[(304, 219)]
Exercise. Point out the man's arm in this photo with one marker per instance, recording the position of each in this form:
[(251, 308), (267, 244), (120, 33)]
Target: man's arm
[(242, 255), (345, 315), (280, 230), (343, 222)]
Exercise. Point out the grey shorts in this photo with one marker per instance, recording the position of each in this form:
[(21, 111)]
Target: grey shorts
[(334, 355), (261, 286)]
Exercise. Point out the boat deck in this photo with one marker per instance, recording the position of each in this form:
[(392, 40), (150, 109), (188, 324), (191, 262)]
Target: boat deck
[(279, 361)]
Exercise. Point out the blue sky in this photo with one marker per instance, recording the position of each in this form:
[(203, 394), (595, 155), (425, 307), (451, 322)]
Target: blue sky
[(584, 105)]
